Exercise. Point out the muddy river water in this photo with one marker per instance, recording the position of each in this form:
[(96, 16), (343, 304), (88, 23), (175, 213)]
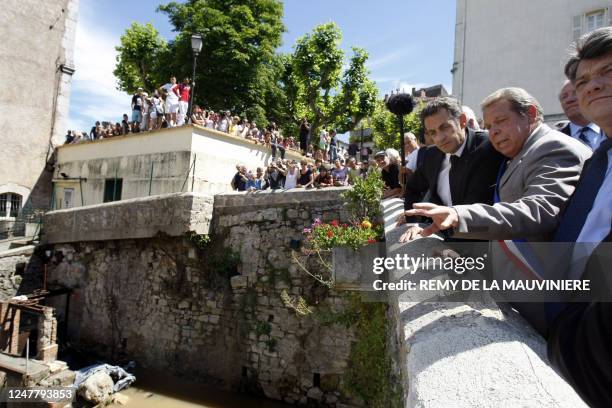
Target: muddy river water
[(157, 390)]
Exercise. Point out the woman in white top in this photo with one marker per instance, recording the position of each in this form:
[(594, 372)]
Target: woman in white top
[(292, 176)]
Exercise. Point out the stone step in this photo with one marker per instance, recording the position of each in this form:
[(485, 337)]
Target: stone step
[(63, 378), (57, 366)]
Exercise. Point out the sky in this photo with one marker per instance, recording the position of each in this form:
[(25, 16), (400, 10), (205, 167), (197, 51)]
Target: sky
[(410, 43)]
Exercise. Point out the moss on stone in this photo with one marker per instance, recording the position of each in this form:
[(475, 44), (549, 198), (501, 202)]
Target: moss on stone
[(370, 369)]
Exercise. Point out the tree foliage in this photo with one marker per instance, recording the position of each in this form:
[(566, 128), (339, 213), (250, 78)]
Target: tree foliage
[(139, 57), (321, 91), (239, 69), (236, 65), (386, 129)]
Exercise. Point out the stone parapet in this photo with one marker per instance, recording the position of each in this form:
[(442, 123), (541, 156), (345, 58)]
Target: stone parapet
[(171, 214), (269, 198), (467, 354)]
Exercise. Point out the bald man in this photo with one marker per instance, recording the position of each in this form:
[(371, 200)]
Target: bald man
[(578, 127)]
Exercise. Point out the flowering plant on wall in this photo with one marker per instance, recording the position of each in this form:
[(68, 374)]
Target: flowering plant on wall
[(325, 236)]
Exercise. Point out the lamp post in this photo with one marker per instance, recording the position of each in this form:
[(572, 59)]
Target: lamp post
[(361, 144), (196, 47)]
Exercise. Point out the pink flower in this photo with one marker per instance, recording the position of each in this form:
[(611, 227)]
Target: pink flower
[(307, 231), (317, 221)]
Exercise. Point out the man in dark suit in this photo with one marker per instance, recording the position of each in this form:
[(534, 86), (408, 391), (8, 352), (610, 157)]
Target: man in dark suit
[(580, 340), (578, 126), (460, 169)]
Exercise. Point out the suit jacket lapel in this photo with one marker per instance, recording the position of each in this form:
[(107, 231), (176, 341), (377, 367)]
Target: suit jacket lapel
[(456, 176), (516, 161)]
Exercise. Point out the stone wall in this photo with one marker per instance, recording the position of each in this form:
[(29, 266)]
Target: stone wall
[(466, 354), (171, 214), (215, 309), (20, 271)]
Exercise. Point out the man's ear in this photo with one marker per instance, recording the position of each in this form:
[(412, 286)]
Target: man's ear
[(532, 113), (463, 121)]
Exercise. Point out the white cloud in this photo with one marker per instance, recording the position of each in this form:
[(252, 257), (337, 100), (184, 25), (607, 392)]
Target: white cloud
[(395, 84), (94, 94), (377, 62)]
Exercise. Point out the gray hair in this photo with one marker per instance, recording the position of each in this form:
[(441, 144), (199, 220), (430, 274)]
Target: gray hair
[(393, 155), (410, 136), (591, 45), (519, 99), (469, 114)]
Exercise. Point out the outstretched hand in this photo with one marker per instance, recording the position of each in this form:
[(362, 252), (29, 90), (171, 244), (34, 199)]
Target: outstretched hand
[(443, 217)]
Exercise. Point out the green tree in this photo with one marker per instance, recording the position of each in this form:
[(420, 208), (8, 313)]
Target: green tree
[(138, 58), (323, 93), (385, 125), (237, 67)]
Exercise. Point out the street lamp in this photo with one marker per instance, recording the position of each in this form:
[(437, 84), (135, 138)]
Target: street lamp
[(196, 47)]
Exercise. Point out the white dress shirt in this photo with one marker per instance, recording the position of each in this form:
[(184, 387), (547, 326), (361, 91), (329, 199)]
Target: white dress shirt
[(443, 189), (596, 226), (411, 160), (594, 134)]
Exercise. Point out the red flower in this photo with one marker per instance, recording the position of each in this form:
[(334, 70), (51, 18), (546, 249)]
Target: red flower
[(371, 241), (334, 223), (330, 234)]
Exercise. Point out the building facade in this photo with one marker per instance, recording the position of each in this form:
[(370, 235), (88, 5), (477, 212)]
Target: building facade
[(522, 43), (184, 159), (36, 54)]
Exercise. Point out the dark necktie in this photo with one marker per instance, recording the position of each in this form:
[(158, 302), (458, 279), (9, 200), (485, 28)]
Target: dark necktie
[(582, 200), (582, 136)]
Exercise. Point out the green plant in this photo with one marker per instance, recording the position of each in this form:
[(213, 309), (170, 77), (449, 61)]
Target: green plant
[(200, 240), (363, 200), (298, 305), (262, 328), (369, 374), (271, 344), (323, 236)]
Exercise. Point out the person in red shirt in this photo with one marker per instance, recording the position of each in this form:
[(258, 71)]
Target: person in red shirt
[(182, 90)]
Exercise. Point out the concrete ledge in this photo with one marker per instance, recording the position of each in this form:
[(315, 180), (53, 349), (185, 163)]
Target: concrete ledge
[(172, 214), (268, 198), (25, 250), (477, 354)]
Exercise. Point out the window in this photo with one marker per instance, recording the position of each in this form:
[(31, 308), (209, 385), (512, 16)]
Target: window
[(68, 197), (594, 20), (112, 189), (3, 204), (15, 204), (10, 204), (584, 23)]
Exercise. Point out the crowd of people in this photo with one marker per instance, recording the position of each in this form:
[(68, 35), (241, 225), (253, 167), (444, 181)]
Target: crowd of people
[(288, 174), (168, 107), (519, 182)]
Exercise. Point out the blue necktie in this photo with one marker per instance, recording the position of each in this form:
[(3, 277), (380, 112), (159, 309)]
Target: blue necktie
[(582, 136), (582, 201)]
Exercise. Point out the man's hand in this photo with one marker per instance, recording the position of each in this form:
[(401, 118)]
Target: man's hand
[(401, 220), (443, 217), (411, 233)]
